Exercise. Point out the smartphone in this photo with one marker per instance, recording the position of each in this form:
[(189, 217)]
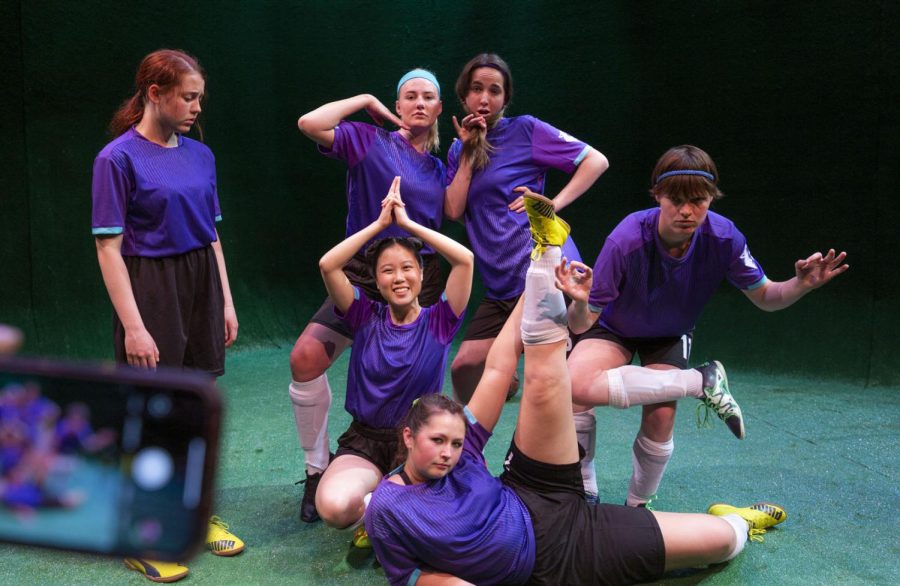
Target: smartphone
[(107, 459)]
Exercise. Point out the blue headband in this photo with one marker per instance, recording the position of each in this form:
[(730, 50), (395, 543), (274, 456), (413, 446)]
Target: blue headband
[(685, 172), (419, 73)]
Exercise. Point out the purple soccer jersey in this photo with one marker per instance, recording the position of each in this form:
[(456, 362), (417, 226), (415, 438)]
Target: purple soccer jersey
[(468, 524), (374, 157), (163, 201), (393, 365), (525, 148), (646, 293)]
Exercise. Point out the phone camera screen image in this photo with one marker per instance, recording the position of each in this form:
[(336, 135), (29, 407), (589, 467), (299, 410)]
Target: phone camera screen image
[(109, 462)]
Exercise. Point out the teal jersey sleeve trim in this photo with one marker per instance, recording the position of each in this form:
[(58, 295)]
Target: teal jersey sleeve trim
[(758, 284), (356, 293), (584, 152), (414, 577), (218, 219), (470, 417), (595, 308), (106, 230), (444, 296)]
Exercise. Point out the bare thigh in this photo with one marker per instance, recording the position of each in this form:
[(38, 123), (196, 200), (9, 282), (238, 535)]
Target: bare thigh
[(694, 539), (588, 363)]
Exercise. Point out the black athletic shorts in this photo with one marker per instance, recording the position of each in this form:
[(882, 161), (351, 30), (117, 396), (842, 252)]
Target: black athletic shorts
[(377, 445), (577, 542), (490, 316), (675, 350), (182, 306), (358, 272)]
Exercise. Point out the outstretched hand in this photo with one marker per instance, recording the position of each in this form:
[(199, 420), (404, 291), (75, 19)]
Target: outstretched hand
[(379, 113), (815, 271), (469, 123), (574, 279)]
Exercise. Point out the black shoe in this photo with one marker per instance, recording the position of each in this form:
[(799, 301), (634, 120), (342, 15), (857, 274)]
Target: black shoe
[(308, 513)]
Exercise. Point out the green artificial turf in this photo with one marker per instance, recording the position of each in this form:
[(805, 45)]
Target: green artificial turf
[(825, 450)]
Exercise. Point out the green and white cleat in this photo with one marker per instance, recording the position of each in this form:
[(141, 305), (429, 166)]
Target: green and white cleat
[(718, 398)]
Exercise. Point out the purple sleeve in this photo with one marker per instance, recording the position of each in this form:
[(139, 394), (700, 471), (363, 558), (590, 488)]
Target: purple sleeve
[(443, 323), (351, 142), (398, 566), (551, 147), (453, 160), (216, 208), (476, 436), (608, 272), (109, 193), (744, 272), (359, 312)]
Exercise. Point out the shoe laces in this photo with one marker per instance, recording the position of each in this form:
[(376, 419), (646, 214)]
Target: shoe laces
[(706, 405), (649, 504), (217, 520), (756, 535)]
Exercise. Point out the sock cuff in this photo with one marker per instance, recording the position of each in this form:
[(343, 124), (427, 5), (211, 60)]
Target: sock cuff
[(585, 421), (310, 392), (741, 528), (616, 384), (654, 448)]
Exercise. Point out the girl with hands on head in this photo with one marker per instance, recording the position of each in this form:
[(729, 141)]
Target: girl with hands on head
[(373, 156), (496, 159), (399, 353)]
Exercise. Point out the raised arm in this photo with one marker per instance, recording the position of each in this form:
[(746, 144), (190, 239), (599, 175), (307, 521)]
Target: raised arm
[(487, 401), (319, 124), (331, 265), (140, 348), (589, 170), (811, 273), (574, 279), (461, 259), (457, 193)]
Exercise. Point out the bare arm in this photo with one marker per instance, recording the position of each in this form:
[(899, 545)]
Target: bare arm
[(811, 273), (440, 579), (331, 265), (487, 401), (458, 191), (588, 171), (574, 279), (140, 348), (319, 124), (231, 321), (461, 259)]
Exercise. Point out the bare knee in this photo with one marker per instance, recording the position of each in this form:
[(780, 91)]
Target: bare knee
[(338, 508), (309, 359)]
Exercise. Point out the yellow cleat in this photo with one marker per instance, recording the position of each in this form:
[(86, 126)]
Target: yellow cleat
[(361, 539), (157, 571), (547, 229), (759, 517), (220, 541)]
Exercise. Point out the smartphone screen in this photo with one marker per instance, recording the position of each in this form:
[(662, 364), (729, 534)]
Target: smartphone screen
[(106, 460)]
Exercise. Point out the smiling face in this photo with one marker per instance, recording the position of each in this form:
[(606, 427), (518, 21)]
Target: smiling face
[(487, 93), (418, 103), (435, 449), (398, 276), (178, 108)]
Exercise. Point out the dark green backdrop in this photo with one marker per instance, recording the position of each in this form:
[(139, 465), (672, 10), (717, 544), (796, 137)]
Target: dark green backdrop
[(797, 102)]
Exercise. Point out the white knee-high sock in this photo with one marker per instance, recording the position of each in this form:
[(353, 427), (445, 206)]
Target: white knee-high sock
[(544, 314), (740, 531), (636, 385), (648, 459), (359, 522), (312, 400), (586, 432)]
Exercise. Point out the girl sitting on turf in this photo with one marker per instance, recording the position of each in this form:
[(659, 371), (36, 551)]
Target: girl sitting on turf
[(399, 351)]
